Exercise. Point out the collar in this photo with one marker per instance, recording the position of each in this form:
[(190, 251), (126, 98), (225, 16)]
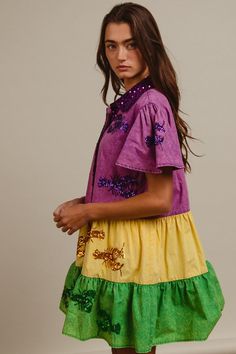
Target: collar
[(125, 102)]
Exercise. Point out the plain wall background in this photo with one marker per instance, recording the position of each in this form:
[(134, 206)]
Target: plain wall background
[(51, 115)]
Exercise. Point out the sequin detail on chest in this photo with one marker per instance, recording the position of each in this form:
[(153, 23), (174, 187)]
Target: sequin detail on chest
[(156, 139), (126, 186), (117, 123)]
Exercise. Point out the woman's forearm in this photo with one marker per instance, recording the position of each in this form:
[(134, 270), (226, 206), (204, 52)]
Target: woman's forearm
[(142, 205)]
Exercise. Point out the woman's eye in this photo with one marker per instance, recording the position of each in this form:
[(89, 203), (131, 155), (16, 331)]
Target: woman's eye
[(132, 45), (110, 46)]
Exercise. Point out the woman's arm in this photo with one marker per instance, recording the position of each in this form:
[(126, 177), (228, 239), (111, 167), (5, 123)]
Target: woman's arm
[(156, 200)]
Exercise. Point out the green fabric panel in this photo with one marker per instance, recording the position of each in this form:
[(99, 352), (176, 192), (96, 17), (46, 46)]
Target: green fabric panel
[(141, 316)]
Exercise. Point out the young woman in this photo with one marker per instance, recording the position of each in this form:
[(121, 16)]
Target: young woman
[(140, 276)]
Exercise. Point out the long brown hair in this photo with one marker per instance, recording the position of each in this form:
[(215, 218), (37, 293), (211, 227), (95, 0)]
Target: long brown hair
[(148, 39)]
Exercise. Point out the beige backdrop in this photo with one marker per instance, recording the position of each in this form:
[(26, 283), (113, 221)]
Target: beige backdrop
[(51, 115)]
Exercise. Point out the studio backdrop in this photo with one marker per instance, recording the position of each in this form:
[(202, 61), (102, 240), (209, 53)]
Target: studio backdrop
[(51, 114)]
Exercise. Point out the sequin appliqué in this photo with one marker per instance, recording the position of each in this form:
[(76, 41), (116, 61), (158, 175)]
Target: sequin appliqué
[(159, 127), (125, 102), (156, 139), (66, 296), (84, 299), (117, 123), (110, 256), (83, 239), (126, 186), (105, 323)]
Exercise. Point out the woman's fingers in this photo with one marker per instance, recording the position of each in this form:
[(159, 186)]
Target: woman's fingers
[(65, 228), (57, 212), (71, 231), (60, 224), (62, 206), (66, 216), (57, 218)]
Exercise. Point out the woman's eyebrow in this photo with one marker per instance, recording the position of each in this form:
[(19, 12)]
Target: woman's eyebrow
[(112, 41)]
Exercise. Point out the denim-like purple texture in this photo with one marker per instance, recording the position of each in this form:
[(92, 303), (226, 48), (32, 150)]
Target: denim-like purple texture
[(139, 136)]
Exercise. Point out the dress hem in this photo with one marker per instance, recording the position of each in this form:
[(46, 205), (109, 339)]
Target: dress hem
[(195, 339), (202, 325)]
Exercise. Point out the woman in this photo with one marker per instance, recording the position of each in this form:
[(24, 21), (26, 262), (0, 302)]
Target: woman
[(140, 277)]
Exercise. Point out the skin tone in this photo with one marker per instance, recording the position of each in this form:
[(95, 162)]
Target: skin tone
[(130, 351), (121, 49), (70, 216)]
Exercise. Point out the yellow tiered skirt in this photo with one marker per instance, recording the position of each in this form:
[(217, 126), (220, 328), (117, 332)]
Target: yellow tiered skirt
[(143, 251)]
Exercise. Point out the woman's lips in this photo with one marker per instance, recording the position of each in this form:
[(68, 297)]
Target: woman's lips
[(123, 68)]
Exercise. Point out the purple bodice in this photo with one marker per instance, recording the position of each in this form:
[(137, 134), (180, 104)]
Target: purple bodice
[(139, 135)]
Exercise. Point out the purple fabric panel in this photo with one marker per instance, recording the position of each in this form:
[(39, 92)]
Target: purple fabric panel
[(181, 202), (152, 141), (139, 135)]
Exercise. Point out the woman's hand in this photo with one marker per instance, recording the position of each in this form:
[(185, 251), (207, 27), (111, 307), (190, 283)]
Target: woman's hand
[(71, 215), (67, 204), (72, 218)]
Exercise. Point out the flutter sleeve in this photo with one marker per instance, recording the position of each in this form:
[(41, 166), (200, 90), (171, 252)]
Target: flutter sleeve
[(152, 142)]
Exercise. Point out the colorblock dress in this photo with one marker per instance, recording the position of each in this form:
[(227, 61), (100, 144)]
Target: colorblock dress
[(140, 282)]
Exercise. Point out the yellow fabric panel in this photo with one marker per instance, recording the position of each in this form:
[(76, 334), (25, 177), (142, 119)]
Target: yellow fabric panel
[(144, 251)]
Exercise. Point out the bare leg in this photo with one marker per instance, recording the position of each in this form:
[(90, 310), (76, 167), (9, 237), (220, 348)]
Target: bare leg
[(130, 351)]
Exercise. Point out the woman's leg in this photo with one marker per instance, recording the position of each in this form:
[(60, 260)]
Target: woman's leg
[(130, 351)]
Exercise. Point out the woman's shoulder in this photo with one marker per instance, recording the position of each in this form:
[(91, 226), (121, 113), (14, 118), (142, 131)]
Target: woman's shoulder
[(152, 97)]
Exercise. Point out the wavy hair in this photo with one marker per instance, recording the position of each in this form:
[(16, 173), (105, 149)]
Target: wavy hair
[(148, 39)]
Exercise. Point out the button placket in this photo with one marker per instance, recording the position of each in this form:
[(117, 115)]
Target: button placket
[(97, 146)]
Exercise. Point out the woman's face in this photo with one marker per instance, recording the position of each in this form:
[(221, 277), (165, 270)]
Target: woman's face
[(121, 49)]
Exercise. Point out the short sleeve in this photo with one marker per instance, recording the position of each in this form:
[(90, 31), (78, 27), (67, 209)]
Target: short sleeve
[(152, 142)]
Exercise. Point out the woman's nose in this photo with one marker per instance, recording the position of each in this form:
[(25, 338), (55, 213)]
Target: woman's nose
[(121, 53)]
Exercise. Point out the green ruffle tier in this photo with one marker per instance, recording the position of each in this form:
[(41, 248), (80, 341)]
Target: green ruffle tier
[(141, 316)]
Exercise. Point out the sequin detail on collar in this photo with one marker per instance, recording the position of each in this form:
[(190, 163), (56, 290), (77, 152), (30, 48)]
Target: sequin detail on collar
[(125, 102), (120, 185)]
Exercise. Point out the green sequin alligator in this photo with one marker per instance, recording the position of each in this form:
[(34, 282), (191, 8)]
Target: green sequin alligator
[(105, 323), (84, 299)]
